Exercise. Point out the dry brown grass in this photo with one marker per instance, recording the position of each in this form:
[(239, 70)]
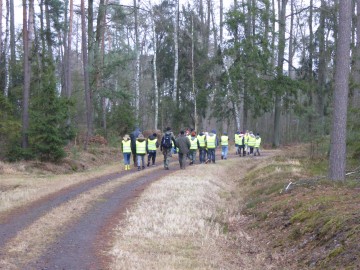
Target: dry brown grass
[(30, 243), (18, 188), (190, 220)]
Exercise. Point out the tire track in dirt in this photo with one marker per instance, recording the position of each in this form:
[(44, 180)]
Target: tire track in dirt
[(16, 220), (81, 246)]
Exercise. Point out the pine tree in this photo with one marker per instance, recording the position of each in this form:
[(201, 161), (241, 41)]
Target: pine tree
[(48, 116)]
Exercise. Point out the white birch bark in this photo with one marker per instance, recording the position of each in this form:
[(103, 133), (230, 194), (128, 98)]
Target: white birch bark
[(193, 73), (137, 65), (176, 44), (156, 103), (6, 53)]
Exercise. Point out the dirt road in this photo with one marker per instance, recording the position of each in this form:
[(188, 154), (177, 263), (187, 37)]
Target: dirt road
[(72, 228)]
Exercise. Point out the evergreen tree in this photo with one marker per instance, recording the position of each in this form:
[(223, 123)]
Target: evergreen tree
[(48, 115)]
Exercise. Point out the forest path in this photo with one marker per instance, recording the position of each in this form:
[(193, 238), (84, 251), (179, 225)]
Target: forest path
[(71, 229)]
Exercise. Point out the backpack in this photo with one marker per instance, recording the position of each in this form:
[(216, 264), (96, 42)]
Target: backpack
[(166, 141)]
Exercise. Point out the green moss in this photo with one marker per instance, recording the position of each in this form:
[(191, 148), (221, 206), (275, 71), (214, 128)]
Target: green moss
[(302, 216), (336, 251)]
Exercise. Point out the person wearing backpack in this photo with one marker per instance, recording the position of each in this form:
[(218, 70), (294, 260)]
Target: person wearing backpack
[(166, 145)]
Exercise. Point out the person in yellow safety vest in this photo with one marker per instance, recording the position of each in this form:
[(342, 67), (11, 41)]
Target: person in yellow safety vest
[(237, 140), (151, 145), (194, 145), (224, 142), (202, 147), (242, 144), (211, 143), (126, 150), (246, 139), (257, 144), (140, 151), (251, 142)]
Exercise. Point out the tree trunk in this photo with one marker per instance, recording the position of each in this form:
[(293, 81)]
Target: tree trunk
[(322, 65), (281, 52), (156, 102), (176, 47), (6, 52), (193, 72), (27, 72), (356, 69), (337, 161), (291, 39), (137, 65), (12, 41), (88, 99), (68, 69)]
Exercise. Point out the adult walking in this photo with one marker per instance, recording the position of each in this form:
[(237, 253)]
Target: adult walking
[(166, 145), (183, 144), (133, 137)]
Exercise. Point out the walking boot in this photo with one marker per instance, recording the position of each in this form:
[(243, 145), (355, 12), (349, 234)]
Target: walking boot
[(139, 168)]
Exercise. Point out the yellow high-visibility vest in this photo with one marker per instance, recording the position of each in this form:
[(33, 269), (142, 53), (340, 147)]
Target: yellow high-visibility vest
[(194, 144), (237, 139), (152, 144), (251, 141), (201, 140), (211, 142), (224, 140), (140, 147), (246, 139), (126, 146), (257, 142)]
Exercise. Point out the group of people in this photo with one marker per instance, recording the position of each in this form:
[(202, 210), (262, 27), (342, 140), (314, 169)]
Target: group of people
[(186, 145)]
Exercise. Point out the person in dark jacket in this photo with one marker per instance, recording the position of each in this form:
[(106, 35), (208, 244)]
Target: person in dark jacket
[(167, 150), (183, 143), (133, 137)]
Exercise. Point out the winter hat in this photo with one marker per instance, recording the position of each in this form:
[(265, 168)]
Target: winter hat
[(224, 133), (193, 133), (141, 136), (213, 131), (126, 137)]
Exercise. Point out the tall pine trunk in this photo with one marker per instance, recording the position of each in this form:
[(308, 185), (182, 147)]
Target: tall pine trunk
[(88, 101), (280, 68), (176, 51), (337, 161)]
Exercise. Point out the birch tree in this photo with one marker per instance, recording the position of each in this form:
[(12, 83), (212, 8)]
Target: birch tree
[(137, 64), (176, 52)]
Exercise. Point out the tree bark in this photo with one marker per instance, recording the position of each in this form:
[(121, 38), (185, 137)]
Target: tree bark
[(88, 99), (356, 69), (6, 52), (193, 72), (156, 90), (176, 48), (280, 68), (26, 87), (137, 65), (337, 161)]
